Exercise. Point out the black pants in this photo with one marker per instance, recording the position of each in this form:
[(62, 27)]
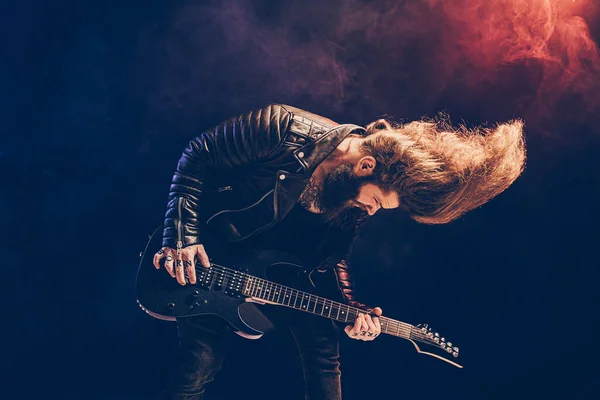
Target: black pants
[(203, 341)]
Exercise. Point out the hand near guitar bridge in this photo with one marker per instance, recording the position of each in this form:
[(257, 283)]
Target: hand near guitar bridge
[(366, 327), (186, 259)]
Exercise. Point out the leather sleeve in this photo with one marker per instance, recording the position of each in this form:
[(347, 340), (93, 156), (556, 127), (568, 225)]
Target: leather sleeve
[(346, 285), (237, 142)]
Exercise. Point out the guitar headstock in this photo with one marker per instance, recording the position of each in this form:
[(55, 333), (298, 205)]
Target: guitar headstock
[(445, 349)]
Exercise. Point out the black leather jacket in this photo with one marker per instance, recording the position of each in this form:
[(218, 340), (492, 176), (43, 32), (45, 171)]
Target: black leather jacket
[(246, 174)]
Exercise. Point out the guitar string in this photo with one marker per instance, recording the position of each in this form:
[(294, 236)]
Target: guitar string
[(396, 326), (261, 284)]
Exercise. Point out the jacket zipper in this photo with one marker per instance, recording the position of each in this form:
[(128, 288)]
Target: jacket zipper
[(179, 241), (241, 209)]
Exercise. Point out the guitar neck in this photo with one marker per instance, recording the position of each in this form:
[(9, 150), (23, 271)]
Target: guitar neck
[(275, 293)]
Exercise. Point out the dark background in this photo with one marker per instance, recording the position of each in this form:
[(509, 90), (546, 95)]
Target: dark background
[(99, 98)]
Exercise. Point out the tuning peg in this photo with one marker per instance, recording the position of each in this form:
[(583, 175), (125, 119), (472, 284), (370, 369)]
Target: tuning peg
[(437, 335), (455, 354), (455, 349), (449, 344), (443, 339)]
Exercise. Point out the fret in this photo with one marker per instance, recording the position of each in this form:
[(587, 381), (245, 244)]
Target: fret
[(304, 302), (296, 297), (337, 317), (398, 330), (246, 285), (345, 313), (265, 290), (261, 289), (322, 306), (257, 288), (352, 315), (278, 293), (288, 296), (384, 324), (273, 291), (329, 306), (316, 301), (276, 288), (270, 291)]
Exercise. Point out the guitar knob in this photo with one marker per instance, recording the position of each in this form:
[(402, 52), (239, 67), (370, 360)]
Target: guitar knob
[(171, 306), (195, 293)]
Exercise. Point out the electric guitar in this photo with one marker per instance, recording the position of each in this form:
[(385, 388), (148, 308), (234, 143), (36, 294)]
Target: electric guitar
[(236, 293)]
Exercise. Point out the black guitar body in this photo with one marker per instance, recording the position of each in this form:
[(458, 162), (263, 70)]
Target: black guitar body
[(217, 290)]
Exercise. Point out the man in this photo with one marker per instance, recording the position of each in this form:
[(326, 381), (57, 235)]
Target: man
[(267, 176)]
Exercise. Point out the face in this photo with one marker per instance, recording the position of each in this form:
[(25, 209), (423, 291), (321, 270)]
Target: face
[(350, 192), (371, 198)]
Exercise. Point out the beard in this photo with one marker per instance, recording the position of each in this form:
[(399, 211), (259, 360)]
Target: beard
[(334, 198)]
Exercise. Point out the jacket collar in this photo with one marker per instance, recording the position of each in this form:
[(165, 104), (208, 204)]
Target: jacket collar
[(315, 152)]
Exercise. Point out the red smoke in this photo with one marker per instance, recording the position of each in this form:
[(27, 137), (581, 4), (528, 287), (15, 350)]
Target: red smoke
[(485, 36), (488, 59)]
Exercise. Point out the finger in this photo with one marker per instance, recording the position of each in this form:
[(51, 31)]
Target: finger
[(363, 328), (202, 256), (169, 262), (368, 327), (179, 270), (189, 265), (349, 329), (358, 323), (157, 257), (370, 324), (377, 311)]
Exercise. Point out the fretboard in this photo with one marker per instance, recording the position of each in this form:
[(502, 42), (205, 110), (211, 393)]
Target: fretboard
[(282, 295)]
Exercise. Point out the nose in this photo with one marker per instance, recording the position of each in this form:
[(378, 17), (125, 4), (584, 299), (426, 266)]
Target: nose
[(371, 210)]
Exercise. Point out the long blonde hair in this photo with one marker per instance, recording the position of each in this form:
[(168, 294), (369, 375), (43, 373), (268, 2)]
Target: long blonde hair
[(441, 172)]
